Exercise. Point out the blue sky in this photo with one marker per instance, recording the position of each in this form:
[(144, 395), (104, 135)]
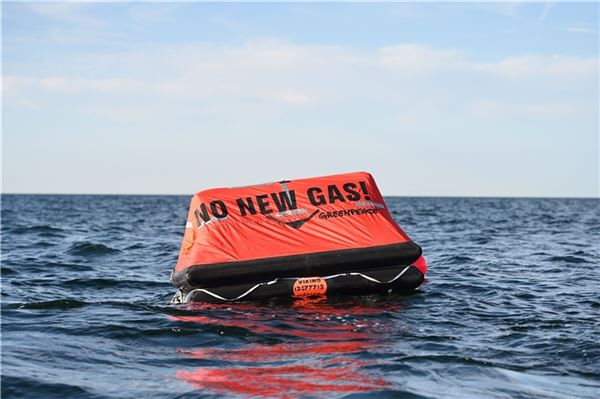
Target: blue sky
[(434, 99)]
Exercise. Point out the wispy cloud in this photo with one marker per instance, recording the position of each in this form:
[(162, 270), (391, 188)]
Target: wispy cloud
[(76, 13), (545, 11), (508, 8), (579, 29)]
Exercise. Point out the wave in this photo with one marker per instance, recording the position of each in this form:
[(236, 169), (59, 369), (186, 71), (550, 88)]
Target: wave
[(43, 229), (20, 387), (52, 304), (567, 259), (108, 282), (457, 259), (86, 248)]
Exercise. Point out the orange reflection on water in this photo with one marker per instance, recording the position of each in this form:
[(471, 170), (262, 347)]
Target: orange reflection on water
[(319, 354), (302, 371)]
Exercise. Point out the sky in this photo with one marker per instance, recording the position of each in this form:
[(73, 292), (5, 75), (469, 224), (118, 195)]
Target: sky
[(434, 99)]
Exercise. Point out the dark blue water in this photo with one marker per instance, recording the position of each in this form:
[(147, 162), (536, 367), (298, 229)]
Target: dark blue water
[(510, 309)]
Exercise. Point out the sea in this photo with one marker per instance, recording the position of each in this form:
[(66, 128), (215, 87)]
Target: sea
[(510, 309)]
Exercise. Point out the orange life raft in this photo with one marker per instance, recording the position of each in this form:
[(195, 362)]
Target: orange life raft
[(305, 237)]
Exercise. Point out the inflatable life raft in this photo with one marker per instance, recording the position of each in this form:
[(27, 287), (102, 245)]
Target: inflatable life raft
[(298, 238)]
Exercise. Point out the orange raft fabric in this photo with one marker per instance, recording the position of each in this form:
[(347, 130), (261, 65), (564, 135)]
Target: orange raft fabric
[(286, 218)]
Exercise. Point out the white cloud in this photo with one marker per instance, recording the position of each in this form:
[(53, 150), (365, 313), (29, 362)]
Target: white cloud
[(415, 58), (579, 29), (548, 110), (547, 67), (75, 13), (63, 11), (273, 76)]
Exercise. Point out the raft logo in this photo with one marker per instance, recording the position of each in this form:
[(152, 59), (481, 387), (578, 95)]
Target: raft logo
[(296, 224), (348, 212)]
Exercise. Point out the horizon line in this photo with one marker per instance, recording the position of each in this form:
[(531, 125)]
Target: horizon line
[(384, 195)]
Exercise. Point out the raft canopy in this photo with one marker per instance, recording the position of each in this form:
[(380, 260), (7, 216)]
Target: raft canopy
[(290, 228)]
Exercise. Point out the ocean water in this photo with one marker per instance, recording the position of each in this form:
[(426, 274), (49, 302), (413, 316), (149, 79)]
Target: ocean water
[(510, 309)]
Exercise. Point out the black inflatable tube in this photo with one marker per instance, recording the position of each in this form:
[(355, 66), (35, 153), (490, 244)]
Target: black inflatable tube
[(305, 265), (352, 284)]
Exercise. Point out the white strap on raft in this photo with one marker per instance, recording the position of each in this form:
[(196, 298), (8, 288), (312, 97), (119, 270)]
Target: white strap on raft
[(237, 298), (369, 277), (178, 299)]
